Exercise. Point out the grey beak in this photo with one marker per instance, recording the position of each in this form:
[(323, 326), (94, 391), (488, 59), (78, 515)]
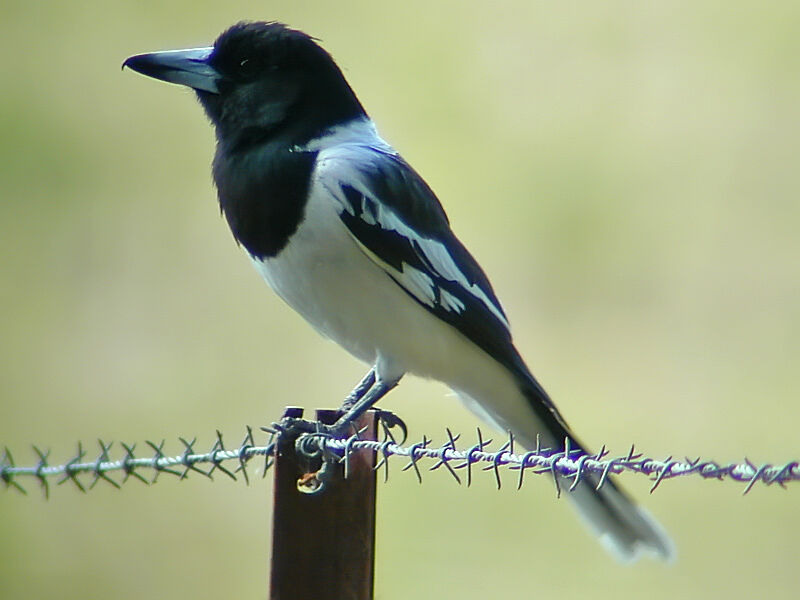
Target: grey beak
[(184, 67)]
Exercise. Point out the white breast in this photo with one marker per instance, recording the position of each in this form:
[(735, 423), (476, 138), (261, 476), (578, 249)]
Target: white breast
[(327, 277), (324, 275)]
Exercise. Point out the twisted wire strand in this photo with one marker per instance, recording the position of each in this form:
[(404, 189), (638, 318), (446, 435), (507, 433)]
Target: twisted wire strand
[(130, 464), (569, 462)]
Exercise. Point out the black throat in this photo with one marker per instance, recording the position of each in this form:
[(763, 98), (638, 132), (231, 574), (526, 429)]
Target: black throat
[(277, 91), (263, 191)]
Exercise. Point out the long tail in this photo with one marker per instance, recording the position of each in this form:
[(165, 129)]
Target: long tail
[(623, 528)]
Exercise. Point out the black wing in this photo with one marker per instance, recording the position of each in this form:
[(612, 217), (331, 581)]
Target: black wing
[(400, 224)]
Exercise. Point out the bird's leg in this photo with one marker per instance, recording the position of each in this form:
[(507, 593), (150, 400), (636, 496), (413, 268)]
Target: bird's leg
[(362, 388), (387, 419), (368, 391), (377, 390), (300, 425)]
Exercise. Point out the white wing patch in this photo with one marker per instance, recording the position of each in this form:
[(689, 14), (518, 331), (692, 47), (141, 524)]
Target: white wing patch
[(450, 302), (341, 151), (418, 283), (435, 252)]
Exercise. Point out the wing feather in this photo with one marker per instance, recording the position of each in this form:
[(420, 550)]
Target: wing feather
[(399, 223)]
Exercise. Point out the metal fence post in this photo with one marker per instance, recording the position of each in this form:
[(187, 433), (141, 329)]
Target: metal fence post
[(323, 545)]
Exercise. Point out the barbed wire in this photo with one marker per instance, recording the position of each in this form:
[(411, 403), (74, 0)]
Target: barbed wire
[(569, 463), (130, 463)]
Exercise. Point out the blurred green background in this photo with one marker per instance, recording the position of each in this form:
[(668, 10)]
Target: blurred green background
[(627, 174)]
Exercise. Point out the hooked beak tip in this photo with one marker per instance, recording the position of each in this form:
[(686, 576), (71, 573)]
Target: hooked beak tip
[(183, 67)]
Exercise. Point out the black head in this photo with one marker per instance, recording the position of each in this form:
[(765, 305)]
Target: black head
[(260, 82)]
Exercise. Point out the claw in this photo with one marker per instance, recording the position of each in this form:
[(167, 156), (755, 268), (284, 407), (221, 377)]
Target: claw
[(390, 420), (291, 427), (295, 426)]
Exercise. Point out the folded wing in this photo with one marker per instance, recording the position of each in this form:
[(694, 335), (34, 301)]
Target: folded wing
[(399, 223)]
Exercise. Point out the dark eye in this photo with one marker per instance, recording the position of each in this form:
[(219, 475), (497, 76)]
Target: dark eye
[(247, 67)]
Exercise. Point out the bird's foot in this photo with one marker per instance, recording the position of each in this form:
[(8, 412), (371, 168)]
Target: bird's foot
[(293, 427), (346, 427), (389, 421)]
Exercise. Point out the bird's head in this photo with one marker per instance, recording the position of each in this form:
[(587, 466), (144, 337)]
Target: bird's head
[(260, 82)]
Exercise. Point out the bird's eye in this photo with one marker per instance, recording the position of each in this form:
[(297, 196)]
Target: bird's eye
[(247, 67)]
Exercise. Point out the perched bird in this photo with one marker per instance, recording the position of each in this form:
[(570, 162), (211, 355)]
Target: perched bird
[(353, 239)]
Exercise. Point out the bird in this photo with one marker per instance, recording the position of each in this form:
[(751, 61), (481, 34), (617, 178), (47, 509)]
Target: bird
[(351, 237)]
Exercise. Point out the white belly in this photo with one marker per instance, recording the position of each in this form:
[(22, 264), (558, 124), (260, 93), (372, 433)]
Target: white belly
[(324, 275)]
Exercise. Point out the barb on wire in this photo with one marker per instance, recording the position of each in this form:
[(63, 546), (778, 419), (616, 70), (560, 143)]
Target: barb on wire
[(568, 467), (132, 465)]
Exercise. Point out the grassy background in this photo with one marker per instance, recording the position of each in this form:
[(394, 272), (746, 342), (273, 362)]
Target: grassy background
[(627, 175)]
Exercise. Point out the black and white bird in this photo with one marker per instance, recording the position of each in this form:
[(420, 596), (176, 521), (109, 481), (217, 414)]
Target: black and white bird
[(352, 238)]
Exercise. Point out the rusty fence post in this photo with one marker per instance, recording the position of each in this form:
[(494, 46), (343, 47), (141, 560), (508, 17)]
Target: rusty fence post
[(323, 545)]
